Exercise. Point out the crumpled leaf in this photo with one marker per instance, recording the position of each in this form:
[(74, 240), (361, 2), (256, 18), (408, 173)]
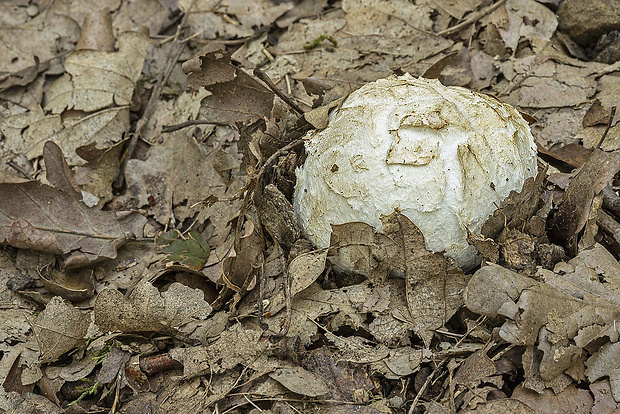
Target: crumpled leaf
[(40, 217), (148, 310), (60, 328), (560, 324), (192, 251)]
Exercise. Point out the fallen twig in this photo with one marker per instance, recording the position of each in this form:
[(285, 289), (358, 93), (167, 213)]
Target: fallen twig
[(263, 76), (176, 127), (474, 17)]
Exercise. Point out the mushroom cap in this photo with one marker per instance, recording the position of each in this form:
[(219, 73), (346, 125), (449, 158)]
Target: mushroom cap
[(444, 156)]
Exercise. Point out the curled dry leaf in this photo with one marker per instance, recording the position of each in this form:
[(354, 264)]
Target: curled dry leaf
[(148, 310), (71, 285), (40, 217), (240, 268)]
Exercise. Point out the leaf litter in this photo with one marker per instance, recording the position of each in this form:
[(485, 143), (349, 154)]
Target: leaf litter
[(191, 287)]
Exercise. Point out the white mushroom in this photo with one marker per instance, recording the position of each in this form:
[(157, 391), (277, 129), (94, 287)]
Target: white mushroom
[(444, 156)]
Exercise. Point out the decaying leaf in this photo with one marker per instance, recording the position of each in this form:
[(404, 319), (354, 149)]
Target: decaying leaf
[(435, 283), (60, 328), (40, 217), (148, 310)]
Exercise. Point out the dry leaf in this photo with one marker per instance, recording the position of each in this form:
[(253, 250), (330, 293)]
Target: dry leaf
[(42, 38), (229, 19), (71, 285), (235, 95), (435, 284), (148, 310), (40, 217), (305, 269), (278, 216), (60, 328), (98, 79), (518, 208), (571, 400), (574, 208), (348, 382), (300, 381)]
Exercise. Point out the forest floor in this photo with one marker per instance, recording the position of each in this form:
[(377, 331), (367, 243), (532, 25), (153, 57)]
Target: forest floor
[(151, 259)]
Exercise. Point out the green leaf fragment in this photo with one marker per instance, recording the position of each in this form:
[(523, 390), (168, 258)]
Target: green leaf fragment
[(191, 252)]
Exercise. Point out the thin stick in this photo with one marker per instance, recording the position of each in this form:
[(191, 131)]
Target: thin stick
[(19, 169), (173, 57), (176, 127), (612, 115), (263, 76), (474, 17)]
